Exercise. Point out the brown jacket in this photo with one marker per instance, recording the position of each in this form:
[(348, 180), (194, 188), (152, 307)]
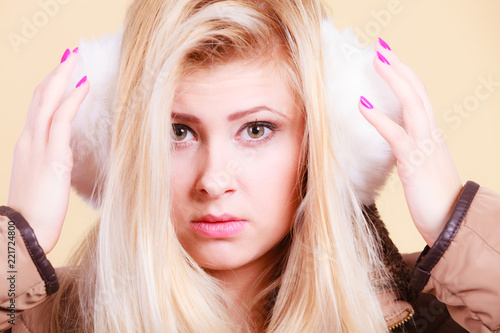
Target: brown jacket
[(462, 270)]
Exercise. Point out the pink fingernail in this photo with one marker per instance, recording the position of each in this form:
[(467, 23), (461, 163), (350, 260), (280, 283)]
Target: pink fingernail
[(82, 81), (65, 55), (75, 50), (382, 58), (366, 103), (384, 44)]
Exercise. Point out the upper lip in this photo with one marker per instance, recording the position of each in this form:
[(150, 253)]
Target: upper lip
[(218, 218)]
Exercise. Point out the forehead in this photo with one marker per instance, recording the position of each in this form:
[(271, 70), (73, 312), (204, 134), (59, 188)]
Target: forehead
[(233, 86)]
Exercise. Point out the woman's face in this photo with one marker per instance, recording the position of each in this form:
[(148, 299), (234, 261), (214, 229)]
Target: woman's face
[(237, 137)]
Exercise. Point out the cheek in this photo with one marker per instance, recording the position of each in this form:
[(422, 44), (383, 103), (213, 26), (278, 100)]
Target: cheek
[(272, 180), (181, 180)]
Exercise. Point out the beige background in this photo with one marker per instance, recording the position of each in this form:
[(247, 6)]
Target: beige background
[(450, 44)]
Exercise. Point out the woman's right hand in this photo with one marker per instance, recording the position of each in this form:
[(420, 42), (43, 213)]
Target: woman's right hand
[(41, 171)]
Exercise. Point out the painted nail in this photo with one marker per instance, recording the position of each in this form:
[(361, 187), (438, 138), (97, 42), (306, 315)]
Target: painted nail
[(75, 50), (384, 44), (382, 58), (82, 81), (366, 103), (65, 55)]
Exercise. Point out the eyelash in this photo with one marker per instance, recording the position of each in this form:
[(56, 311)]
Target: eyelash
[(273, 128)]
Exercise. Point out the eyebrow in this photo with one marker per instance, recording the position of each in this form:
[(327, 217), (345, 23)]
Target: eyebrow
[(232, 117)]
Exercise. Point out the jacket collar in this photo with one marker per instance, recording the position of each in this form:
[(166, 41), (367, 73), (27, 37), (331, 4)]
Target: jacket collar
[(397, 299)]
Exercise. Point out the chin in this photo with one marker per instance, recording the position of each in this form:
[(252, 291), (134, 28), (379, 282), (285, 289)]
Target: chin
[(220, 265), (221, 257)]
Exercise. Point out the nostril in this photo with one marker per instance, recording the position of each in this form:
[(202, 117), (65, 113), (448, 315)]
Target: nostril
[(209, 188), (214, 188), (215, 178)]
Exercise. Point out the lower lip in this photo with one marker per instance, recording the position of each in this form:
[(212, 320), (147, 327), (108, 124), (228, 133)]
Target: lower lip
[(218, 229)]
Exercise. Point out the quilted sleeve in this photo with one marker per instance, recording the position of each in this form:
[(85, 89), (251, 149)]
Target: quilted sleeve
[(462, 269)]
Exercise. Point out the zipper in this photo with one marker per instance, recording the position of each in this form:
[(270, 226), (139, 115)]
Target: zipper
[(402, 322)]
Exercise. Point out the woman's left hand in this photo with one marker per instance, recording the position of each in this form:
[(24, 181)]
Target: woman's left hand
[(431, 182)]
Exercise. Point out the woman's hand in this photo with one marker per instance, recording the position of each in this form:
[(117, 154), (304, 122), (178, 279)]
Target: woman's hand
[(43, 160), (431, 182)]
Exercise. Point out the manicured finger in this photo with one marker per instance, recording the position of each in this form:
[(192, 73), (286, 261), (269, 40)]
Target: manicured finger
[(59, 76), (407, 73), (60, 127), (414, 115), (399, 141), (47, 97)]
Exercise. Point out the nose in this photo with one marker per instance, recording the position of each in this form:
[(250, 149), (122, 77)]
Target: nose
[(216, 176)]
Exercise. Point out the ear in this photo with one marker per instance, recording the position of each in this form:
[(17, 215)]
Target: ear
[(365, 157), (90, 137)]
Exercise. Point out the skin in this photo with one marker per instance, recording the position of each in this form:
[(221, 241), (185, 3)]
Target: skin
[(432, 185), (41, 173), (219, 167), (43, 160)]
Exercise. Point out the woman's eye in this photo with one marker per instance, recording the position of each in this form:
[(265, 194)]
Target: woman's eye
[(181, 132), (258, 131)]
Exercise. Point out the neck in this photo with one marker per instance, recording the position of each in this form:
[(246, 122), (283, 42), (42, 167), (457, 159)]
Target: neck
[(241, 284)]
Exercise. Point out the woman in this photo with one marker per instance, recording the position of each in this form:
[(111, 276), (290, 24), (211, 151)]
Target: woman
[(228, 201)]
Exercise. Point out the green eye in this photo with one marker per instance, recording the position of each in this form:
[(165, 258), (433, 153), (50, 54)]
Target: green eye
[(256, 131), (180, 132)]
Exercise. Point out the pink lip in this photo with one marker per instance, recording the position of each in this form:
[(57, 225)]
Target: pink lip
[(221, 226)]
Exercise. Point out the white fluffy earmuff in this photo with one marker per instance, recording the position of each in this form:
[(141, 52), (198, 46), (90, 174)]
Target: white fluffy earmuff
[(349, 73)]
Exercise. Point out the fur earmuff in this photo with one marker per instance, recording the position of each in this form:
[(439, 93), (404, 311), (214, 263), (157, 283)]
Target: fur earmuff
[(91, 128), (367, 158), (349, 73)]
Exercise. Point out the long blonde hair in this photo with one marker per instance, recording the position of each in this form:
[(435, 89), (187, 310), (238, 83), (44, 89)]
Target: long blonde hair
[(133, 274)]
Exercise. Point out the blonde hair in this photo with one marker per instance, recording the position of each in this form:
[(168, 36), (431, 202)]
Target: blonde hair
[(133, 274)]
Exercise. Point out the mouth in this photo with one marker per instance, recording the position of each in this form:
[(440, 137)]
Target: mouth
[(221, 226)]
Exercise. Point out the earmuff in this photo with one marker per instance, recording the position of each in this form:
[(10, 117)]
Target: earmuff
[(349, 73)]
